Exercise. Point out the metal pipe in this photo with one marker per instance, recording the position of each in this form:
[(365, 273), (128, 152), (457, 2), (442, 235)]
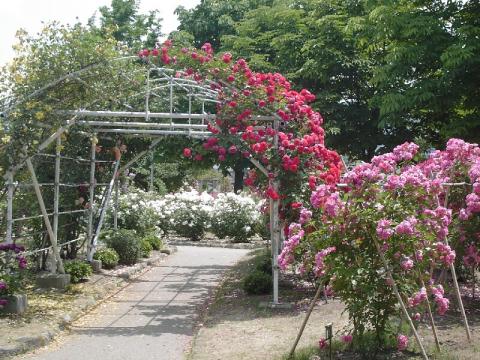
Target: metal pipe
[(141, 125), (93, 152), (152, 170), (56, 189), (103, 210), (153, 132), (136, 114), (10, 185)]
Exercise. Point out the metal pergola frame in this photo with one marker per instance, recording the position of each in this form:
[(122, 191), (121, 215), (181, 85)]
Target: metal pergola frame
[(170, 123)]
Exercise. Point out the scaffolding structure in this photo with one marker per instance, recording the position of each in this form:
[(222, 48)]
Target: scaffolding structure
[(161, 88)]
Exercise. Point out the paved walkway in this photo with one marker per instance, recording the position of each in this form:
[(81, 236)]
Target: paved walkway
[(151, 319)]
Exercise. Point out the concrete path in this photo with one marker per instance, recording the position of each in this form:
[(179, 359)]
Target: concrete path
[(151, 319)]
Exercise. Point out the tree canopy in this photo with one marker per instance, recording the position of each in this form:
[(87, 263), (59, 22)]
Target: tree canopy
[(383, 72)]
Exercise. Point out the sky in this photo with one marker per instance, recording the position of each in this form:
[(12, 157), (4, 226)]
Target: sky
[(29, 15)]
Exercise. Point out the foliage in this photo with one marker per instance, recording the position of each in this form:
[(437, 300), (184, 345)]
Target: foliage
[(263, 262), (257, 283), (79, 270), (234, 216), (12, 266), (382, 72), (190, 214), (155, 241), (134, 212), (127, 245), (108, 257), (211, 19), (187, 213), (127, 26), (146, 247)]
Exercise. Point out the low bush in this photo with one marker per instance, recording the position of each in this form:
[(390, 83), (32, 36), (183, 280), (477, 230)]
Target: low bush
[(146, 247), (263, 262), (108, 257), (135, 212), (258, 283), (155, 241), (78, 270), (234, 216), (12, 267), (127, 245)]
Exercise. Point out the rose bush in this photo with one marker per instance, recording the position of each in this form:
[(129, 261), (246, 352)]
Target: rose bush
[(135, 212), (12, 266), (234, 216), (395, 206)]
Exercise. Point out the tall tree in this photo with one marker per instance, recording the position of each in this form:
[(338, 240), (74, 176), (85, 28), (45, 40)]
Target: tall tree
[(128, 26), (212, 19)]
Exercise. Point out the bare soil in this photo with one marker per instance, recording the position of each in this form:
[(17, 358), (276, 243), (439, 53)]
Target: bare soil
[(235, 327)]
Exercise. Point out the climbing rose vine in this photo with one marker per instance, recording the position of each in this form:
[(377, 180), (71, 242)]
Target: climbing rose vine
[(292, 153)]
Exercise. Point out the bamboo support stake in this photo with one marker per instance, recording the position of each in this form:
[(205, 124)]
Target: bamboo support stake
[(305, 320), (51, 234), (400, 301), (455, 283), (430, 314)]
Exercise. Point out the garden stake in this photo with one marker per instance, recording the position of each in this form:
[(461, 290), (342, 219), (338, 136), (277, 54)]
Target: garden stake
[(455, 283), (434, 327), (53, 238), (400, 301), (305, 320)]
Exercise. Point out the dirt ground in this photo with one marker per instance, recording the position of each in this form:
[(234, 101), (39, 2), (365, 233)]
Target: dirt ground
[(235, 327)]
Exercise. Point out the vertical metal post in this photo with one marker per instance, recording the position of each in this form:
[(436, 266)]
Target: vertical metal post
[(152, 170), (103, 210), (91, 195), (189, 113), (53, 240), (115, 206), (56, 189), (171, 101), (275, 205), (203, 112), (9, 234), (275, 244)]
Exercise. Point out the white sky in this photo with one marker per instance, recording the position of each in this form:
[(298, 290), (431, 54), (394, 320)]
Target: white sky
[(29, 14)]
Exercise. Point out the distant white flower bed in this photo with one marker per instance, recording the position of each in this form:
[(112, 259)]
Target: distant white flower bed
[(190, 214)]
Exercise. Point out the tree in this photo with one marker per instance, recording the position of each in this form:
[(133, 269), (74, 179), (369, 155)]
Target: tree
[(212, 19), (125, 23)]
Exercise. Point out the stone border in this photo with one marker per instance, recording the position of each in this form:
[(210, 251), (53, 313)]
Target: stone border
[(85, 303)]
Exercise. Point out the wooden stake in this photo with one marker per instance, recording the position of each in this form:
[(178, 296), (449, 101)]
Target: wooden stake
[(400, 301), (430, 314), (305, 320)]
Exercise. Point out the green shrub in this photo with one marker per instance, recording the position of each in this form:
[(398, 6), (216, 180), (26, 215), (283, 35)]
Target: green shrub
[(126, 244), (146, 248), (155, 241), (263, 262), (234, 216), (257, 283), (108, 257), (78, 270)]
